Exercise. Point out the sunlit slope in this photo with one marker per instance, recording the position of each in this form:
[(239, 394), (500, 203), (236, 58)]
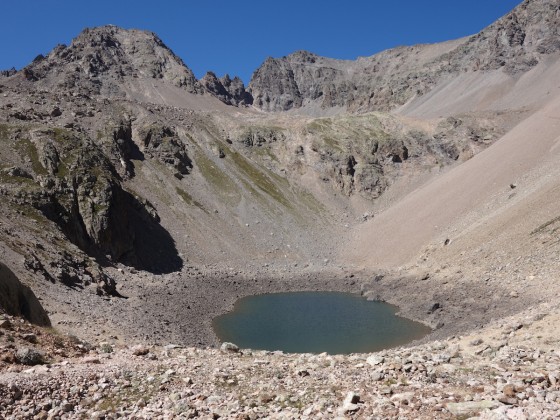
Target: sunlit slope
[(478, 190)]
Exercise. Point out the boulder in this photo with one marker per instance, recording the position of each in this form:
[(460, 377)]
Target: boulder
[(229, 347), (350, 403), (28, 356)]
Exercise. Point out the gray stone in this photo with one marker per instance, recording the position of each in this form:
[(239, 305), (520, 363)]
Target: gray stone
[(32, 338), (31, 357), (140, 351), (403, 398), (56, 112), (507, 400), (377, 376), (471, 408), (67, 407)]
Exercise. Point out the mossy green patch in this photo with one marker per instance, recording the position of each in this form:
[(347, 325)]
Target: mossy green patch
[(64, 137), (217, 178), (342, 134), (187, 198), (5, 178), (265, 152), (309, 201), (99, 208), (258, 178), (63, 170)]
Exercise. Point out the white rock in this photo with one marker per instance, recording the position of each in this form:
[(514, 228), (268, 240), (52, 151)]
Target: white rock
[(350, 403), (375, 360), (229, 347)]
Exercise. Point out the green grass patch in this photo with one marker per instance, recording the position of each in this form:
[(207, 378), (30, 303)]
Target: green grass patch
[(309, 201), (341, 134), (187, 198), (5, 178), (62, 136), (98, 208), (265, 152), (63, 170), (217, 178), (259, 179)]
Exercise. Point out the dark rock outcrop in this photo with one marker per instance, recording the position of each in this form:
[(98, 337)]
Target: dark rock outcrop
[(274, 87), (229, 91), (18, 299), (8, 73), (75, 185), (117, 144), (258, 136), (161, 142)]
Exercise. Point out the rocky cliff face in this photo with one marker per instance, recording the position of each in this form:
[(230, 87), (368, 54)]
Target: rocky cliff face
[(515, 43), (230, 92), (365, 154), (71, 181), (101, 59)]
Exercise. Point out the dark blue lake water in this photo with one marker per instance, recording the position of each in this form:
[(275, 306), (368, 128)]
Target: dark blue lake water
[(315, 322)]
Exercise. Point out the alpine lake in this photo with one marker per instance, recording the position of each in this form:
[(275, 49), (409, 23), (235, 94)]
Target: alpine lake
[(316, 322)]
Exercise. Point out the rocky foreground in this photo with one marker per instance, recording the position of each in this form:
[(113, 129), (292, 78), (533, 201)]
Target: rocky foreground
[(493, 374)]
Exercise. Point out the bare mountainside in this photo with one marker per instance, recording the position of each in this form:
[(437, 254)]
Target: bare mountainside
[(137, 203), (512, 45)]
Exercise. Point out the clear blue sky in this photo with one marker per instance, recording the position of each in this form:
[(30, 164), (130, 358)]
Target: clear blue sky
[(236, 36)]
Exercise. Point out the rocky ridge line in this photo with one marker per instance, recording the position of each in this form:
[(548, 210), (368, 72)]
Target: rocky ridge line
[(514, 44)]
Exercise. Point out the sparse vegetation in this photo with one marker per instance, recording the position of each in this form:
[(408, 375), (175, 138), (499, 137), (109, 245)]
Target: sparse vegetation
[(259, 178), (216, 177), (27, 148), (189, 200)]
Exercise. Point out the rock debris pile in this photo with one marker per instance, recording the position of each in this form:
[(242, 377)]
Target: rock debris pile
[(490, 377)]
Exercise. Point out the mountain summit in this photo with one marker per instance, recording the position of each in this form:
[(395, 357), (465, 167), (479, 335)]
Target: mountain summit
[(105, 60)]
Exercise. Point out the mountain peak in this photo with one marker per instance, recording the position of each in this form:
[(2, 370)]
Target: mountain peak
[(101, 59), (230, 92)]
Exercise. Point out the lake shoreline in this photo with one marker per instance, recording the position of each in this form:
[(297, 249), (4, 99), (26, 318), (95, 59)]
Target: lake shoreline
[(178, 308), (316, 322)]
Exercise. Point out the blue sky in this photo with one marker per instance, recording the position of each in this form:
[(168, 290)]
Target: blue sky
[(236, 36)]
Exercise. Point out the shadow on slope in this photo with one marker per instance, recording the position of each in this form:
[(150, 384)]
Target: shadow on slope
[(19, 300), (154, 249)]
